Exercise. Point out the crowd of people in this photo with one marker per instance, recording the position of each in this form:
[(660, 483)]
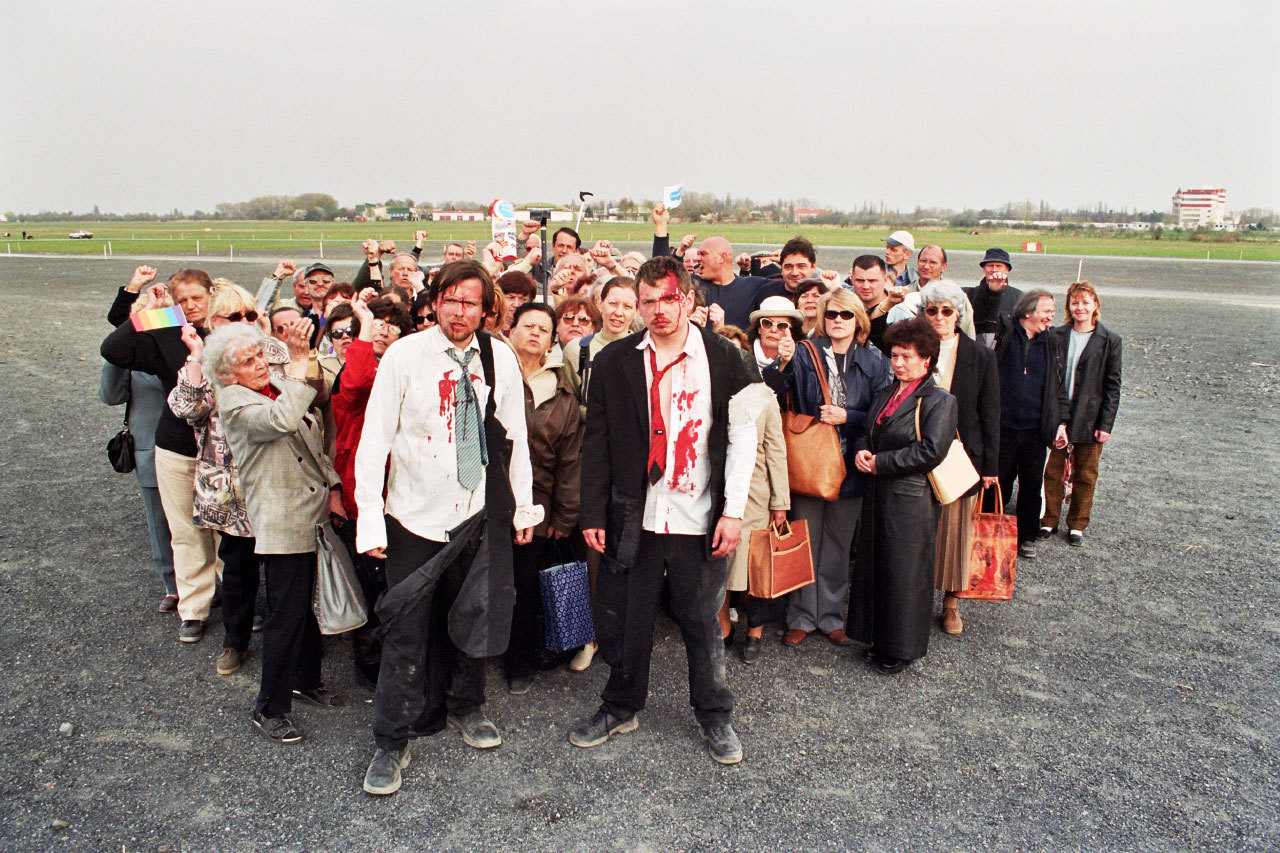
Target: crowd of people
[(465, 426)]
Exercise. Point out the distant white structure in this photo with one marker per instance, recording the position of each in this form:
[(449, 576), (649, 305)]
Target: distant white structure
[(457, 215), (1203, 207)]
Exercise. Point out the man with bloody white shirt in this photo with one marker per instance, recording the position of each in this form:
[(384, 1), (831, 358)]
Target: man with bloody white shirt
[(665, 477)]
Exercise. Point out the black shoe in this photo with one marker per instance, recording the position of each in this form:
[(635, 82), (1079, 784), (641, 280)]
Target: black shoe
[(476, 730), (722, 743), (870, 655), (258, 622), (383, 775), (519, 685), (751, 650), (321, 697), (599, 727), (191, 630), (278, 729), (1075, 537), (891, 666), (1045, 533), (1027, 549)]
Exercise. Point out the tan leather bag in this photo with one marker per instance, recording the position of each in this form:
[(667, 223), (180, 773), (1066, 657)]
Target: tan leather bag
[(955, 474), (779, 560), (815, 466)]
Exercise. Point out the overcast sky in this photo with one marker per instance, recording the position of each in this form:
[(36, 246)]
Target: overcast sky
[(137, 106)]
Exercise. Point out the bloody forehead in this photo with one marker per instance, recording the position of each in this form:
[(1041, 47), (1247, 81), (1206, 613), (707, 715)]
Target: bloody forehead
[(670, 284)]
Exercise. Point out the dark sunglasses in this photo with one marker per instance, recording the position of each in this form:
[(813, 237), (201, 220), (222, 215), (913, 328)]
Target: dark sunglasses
[(843, 315), (944, 310), (237, 316), (425, 318), (340, 333)]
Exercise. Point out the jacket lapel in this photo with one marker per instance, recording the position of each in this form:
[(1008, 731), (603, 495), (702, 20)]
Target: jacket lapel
[(633, 375)]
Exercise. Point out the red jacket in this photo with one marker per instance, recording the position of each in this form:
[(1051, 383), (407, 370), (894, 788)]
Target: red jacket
[(354, 384)]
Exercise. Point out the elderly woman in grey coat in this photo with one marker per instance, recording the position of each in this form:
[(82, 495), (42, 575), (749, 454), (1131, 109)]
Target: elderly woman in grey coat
[(289, 487)]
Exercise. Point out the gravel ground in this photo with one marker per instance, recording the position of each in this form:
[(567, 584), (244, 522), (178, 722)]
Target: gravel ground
[(1126, 699)]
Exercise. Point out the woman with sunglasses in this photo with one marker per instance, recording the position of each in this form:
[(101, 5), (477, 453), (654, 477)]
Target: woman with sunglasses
[(219, 497), (855, 373), (968, 372)]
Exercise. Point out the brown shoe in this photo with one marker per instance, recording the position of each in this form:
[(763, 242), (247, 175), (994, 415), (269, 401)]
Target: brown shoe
[(794, 637), (951, 621), (168, 604), (840, 637), (229, 661)]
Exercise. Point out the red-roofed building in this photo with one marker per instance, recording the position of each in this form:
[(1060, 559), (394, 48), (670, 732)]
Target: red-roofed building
[(804, 214), (1204, 207)]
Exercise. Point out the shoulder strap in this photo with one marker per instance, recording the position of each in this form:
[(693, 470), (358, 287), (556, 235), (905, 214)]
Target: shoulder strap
[(584, 355), (485, 344), (820, 367), (918, 402)]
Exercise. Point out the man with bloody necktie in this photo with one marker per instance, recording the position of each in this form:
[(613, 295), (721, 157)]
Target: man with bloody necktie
[(665, 476)]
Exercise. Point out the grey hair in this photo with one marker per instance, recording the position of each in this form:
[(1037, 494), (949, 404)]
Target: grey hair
[(224, 346), (944, 290), (1028, 302)]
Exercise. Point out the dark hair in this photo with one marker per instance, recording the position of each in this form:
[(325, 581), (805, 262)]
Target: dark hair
[(191, 276), (405, 296), (1028, 301), (918, 334), (809, 284), (577, 241), (933, 246), (573, 303), (393, 313), (271, 318), (656, 269), (619, 281), (453, 274), (421, 301), (866, 262), (797, 330), (515, 281), (798, 246), (342, 288), (342, 311), (535, 306)]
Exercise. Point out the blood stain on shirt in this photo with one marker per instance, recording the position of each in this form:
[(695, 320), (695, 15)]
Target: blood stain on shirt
[(683, 453), (684, 400), (448, 390)]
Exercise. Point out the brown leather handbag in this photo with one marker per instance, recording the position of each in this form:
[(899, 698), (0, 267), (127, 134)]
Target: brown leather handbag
[(815, 465), (779, 560)]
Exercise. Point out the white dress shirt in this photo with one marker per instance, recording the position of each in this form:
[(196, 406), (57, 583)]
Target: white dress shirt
[(680, 502), (410, 417)]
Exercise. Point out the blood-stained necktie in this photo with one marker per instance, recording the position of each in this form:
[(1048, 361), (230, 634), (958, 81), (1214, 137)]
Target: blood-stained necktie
[(657, 428)]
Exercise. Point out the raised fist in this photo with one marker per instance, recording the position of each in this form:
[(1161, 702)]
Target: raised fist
[(284, 269), (142, 276)]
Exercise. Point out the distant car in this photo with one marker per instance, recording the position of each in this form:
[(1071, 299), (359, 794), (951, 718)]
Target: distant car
[(81, 235)]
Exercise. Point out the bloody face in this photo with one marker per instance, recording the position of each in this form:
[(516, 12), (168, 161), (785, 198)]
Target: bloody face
[(663, 307)]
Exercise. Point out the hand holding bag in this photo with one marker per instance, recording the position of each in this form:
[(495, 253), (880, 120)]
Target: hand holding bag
[(779, 560), (955, 474), (566, 606), (993, 562), (121, 448), (815, 465), (337, 600)]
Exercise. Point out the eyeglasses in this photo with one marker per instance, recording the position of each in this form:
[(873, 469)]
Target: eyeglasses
[(424, 318), (944, 310), (570, 320), (340, 333), (766, 323), (237, 316), (843, 315)]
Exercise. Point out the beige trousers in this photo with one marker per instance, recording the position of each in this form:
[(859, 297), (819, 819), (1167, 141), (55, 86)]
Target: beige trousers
[(195, 550)]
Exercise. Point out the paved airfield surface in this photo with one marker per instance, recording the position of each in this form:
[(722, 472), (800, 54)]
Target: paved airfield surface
[(1126, 699)]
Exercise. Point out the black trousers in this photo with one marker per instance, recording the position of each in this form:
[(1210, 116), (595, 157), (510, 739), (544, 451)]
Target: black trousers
[(625, 604), (526, 647), (240, 576), (366, 641), (290, 636), (1022, 456), (423, 676)]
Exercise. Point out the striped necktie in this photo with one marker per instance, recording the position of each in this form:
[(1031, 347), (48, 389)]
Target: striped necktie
[(468, 427)]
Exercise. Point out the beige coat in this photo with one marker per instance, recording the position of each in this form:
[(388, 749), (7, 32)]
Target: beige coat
[(279, 454), (770, 489)]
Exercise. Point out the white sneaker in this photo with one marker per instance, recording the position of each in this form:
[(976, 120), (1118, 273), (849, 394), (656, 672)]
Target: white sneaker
[(583, 658)]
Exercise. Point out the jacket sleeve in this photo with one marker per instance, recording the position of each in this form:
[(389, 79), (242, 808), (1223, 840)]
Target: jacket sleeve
[(357, 377), (1110, 387), (264, 422), (774, 447), (989, 412), (188, 401), (362, 279), (661, 246), (594, 474), (565, 504), (133, 350), (113, 385), (119, 310), (937, 429)]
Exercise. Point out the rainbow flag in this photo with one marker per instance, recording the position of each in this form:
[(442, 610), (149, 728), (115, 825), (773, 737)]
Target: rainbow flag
[(158, 318)]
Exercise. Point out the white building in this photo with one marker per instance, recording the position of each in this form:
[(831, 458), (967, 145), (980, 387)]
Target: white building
[(1204, 207), (457, 215)]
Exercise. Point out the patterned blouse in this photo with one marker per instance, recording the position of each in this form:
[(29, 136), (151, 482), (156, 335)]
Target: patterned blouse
[(219, 500)]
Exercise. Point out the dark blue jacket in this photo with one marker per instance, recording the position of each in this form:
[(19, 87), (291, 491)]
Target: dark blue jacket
[(866, 372)]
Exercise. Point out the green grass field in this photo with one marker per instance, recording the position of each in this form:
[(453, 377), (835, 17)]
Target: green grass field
[(342, 239)]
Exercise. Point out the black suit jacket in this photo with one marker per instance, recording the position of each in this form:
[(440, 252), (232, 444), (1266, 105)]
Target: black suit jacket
[(1096, 392), (976, 387), (615, 446)]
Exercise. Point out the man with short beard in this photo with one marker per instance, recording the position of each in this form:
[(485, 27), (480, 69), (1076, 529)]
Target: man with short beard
[(993, 299), (447, 410)]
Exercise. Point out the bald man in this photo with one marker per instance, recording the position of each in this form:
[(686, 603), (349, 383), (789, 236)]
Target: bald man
[(737, 295)]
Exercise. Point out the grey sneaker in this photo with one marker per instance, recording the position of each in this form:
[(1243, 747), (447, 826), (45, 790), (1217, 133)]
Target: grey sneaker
[(519, 685), (191, 630), (599, 727), (383, 775), (722, 743), (476, 730), (278, 729), (1027, 549)]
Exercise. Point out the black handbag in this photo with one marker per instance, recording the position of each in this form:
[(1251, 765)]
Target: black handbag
[(120, 449)]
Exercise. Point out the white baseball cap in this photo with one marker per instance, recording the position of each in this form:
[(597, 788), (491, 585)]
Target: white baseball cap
[(901, 238)]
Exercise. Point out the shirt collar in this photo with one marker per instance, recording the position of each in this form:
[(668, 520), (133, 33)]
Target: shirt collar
[(693, 344), (438, 343)]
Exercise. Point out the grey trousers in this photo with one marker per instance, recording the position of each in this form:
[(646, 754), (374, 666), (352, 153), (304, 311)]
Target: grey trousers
[(832, 526), (158, 531)]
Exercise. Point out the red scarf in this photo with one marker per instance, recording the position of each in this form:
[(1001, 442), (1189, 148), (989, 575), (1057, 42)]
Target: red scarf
[(896, 400), (269, 392)]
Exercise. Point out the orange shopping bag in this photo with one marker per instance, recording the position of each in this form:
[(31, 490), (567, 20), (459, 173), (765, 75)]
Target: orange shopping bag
[(994, 558)]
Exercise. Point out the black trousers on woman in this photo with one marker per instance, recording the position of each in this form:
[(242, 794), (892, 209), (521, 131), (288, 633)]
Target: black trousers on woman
[(526, 648), (290, 636), (1022, 457), (240, 576)]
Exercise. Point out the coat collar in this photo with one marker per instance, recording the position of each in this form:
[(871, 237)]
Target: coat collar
[(908, 406)]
